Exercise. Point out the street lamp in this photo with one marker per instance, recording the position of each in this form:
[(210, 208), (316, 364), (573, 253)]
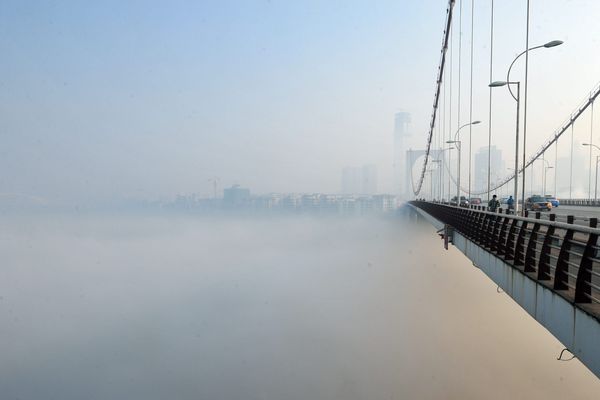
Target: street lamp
[(552, 43), (441, 152), (546, 168), (458, 146), (547, 45), (596, 183), (517, 98)]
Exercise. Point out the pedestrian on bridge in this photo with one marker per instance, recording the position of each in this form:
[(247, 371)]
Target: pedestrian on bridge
[(493, 204), (510, 202)]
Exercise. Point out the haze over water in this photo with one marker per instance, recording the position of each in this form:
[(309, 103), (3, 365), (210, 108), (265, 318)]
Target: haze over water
[(158, 307)]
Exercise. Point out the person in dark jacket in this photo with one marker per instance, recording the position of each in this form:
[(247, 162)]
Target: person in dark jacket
[(493, 204)]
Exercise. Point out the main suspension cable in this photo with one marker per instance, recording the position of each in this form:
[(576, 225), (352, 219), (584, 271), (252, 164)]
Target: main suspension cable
[(417, 189)]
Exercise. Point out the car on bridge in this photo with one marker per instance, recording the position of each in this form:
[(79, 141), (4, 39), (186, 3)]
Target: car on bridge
[(475, 201), (553, 200), (537, 203), (463, 201)]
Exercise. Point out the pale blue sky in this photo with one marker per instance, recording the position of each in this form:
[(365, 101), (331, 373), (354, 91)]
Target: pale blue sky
[(150, 99)]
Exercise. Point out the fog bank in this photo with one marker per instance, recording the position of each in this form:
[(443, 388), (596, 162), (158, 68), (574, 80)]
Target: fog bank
[(281, 308)]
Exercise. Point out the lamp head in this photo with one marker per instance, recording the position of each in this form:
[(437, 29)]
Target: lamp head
[(451, 141), (553, 43), (497, 84), (475, 122), (585, 144)]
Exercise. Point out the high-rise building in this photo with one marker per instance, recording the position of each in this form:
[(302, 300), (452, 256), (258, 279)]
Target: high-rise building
[(359, 180), (401, 135), (369, 179), (236, 196), (351, 180), (480, 169)]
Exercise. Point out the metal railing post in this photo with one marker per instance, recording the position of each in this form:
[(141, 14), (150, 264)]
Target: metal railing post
[(495, 234), (502, 236), (544, 261), (510, 240), (520, 246), (529, 263), (583, 288), (561, 276)]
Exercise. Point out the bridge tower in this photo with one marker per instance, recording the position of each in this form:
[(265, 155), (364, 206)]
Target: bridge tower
[(410, 160)]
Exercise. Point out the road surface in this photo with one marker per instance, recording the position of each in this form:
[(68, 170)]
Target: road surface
[(577, 211), (582, 214)]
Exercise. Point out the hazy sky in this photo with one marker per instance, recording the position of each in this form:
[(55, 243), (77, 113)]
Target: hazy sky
[(150, 99)]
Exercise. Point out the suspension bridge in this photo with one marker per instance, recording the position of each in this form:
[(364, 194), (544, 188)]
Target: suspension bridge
[(446, 169), (549, 263)]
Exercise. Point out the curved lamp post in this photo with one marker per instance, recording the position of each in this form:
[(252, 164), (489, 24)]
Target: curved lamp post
[(546, 168), (458, 146), (508, 82), (516, 178), (548, 45), (552, 43), (441, 153), (596, 184)]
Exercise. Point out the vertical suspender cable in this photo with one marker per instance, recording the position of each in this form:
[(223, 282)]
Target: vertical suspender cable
[(544, 174), (555, 166), (471, 98), (525, 105), (440, 154), (458, 173), (437, 156), (489, 175), (450, 112), (571, 167), (590, 146), (530, 181), (443, 176)]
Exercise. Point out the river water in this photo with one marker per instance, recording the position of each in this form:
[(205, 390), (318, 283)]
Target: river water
[(174, 307)]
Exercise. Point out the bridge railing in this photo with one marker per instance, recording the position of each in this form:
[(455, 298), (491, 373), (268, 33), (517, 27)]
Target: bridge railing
[(563, 256), (580, 202)]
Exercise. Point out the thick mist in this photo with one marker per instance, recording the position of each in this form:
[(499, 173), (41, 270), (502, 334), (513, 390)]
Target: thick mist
[(156, 307), (180, 186)]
